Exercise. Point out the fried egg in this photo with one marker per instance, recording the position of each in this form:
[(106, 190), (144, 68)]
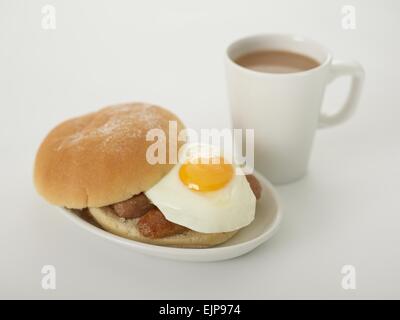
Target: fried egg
[(205, 192)]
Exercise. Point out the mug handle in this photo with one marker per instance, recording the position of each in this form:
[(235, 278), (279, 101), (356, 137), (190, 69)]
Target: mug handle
[(356, 72)]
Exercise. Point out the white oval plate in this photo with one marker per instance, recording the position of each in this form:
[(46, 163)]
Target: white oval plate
[(265, 224)]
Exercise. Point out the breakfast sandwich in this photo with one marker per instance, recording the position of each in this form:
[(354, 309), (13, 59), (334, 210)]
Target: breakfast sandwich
[(98, 163)]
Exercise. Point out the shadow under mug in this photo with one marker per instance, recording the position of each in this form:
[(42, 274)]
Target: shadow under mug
[(284, 109)]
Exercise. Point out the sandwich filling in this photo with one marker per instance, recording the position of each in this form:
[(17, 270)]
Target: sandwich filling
[(151, 222)]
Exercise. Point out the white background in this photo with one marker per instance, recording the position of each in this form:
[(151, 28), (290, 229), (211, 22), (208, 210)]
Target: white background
[(346, 211)]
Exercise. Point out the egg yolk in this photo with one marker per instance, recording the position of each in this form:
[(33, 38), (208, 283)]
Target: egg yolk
[(206, 174)]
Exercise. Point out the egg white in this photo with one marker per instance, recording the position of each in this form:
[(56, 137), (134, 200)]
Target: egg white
[(227, 209)]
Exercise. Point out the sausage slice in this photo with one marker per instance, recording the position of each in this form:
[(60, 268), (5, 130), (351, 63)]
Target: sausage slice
[(134, 207), (154, 225), (254, 185)]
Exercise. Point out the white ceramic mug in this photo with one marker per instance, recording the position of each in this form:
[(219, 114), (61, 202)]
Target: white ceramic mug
[(284, 109)]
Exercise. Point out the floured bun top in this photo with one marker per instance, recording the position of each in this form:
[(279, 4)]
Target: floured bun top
[(100, 158)]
